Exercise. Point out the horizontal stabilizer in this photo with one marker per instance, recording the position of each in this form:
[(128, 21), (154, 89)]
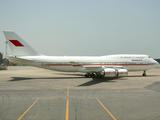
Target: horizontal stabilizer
[(19, 60)]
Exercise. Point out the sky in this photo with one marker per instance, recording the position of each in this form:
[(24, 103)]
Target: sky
[(84, 27)]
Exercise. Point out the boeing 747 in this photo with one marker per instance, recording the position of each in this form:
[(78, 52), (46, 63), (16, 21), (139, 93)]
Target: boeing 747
[(92, 66)]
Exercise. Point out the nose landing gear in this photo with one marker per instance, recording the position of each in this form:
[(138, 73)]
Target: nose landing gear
[(144, 73)]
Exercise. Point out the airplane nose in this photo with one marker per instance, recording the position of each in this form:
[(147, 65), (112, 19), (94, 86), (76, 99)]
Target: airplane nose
[(156, 62)]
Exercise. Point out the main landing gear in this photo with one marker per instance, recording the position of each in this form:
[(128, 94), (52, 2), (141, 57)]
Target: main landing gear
[(90, 75), (144, 73), (93, 75)]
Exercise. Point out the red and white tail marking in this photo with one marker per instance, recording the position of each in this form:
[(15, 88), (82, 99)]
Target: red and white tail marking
[(16, 43)]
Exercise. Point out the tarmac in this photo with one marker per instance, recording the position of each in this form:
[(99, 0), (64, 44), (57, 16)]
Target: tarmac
[(29, 93)]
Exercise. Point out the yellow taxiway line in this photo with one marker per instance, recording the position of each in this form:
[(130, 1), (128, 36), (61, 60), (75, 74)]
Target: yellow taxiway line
[(28, 109), (106, 109), (67, 109), (67, 104)]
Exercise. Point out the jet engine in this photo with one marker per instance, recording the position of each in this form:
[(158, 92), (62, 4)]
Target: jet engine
[(111, 72), (108, 72), (122, 72)]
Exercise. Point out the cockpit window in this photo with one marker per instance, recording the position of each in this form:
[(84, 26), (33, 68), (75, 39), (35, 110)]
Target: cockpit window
[(149, 57)]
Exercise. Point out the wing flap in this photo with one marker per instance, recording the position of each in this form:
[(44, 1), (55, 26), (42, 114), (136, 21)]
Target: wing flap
[(93, 68), (88, 67), (75, 64)]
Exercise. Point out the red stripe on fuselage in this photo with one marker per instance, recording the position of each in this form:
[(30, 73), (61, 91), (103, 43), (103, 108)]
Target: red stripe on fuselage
[(92, 64)]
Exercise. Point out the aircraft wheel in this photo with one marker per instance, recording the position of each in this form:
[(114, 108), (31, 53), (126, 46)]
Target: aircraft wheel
[(144, 73), (98, 76), (101, 76), (87, 75), (93, 75)]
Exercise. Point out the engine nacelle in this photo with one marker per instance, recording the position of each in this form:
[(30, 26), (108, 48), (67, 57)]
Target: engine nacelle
[(122, 72), (110, 72)]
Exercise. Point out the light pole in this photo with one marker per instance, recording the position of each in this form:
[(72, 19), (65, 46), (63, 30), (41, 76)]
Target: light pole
[(6, 47)]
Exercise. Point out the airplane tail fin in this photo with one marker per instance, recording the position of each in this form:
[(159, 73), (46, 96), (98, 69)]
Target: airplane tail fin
[(18, 46)]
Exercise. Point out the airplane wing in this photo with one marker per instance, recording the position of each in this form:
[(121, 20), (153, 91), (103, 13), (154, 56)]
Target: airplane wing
[(99, 68), (86, 67), (94, 68)]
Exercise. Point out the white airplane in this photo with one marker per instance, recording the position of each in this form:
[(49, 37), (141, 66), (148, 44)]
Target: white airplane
[(93, 66)]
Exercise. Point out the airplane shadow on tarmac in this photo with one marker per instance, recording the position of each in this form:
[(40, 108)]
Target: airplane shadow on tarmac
[(90, 81), (28, 78), (111, 79), (97, 81), (107, 79)]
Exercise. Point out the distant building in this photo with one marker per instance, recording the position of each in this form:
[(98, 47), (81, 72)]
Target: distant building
[(1, 58), (3, 62)]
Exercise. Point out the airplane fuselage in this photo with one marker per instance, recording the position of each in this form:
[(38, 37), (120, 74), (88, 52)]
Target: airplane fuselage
[(64, 63)]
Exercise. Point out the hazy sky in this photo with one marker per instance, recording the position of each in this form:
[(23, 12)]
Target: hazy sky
[(84, 27)]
